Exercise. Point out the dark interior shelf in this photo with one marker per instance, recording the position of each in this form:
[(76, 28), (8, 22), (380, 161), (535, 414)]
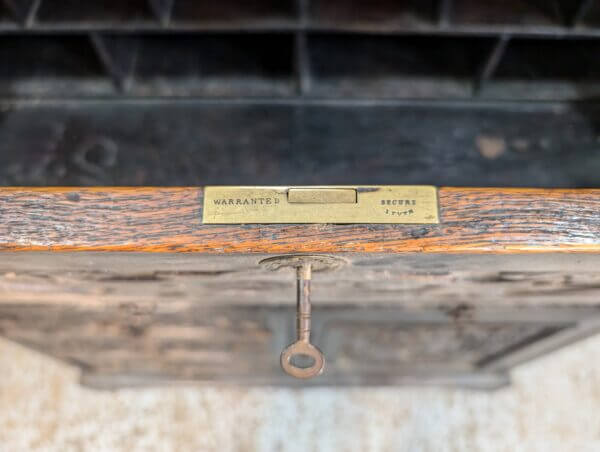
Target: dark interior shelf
[(278, 64), (308, 91), (195, 142)]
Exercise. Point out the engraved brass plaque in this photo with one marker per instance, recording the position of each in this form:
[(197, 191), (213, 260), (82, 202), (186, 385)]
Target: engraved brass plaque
[(316, 204)]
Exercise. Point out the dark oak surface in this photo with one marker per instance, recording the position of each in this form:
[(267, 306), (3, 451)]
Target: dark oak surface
[(169, 220), (300, 142)]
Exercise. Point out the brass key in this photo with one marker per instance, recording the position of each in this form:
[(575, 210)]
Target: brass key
[(303, 346)]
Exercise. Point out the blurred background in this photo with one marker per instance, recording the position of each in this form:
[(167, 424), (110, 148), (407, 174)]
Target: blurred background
[(552, 405)]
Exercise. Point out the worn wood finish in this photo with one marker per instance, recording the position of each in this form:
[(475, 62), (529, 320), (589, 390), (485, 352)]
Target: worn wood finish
[(381, 346), (148, 318), (415, 280), (473, 220), (305, 142), (507, 275)]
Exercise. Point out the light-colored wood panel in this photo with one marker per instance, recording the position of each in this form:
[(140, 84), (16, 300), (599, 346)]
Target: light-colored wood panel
[(403, 280)]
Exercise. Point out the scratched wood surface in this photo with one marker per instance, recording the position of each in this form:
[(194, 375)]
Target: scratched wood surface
[(507, 275), (169, 219), (415, 280), (131, 344), (383, 319)]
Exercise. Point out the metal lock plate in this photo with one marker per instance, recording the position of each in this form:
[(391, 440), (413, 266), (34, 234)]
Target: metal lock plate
[(321, 204)]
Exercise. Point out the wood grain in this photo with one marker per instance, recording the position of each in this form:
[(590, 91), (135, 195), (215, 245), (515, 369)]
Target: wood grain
[(419, 280), (146, 318), (152, 219), (124, 345), (171, 299)]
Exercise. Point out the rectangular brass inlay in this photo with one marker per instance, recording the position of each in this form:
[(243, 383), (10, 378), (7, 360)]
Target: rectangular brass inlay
[(328, 204)]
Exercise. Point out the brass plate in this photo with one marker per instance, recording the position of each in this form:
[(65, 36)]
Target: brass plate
[(326, 204)]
